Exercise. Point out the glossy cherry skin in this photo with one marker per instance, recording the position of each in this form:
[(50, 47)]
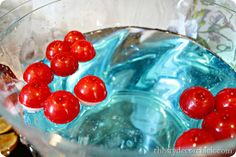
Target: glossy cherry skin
[(32, 95), (61, 107), (226, 99), (90, 90), (221, 124), (84, 50), (73, 36), (56, 47), (194, 138), (64, 64), (38, 72), (197, 102)]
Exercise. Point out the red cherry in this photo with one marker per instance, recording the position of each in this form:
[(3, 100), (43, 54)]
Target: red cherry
[(221, 124), (56, 47), (61, 107), (194, 138), (64, 64), (226, 99), (33, 94), (197, 102), (38, 72), (73, 36), (84, 50), (90, 90)]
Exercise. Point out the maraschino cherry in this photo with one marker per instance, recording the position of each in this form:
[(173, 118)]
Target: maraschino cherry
[(32, 95), (197, 102), (226, 99), (221, 124), (55, 48), (38, 73), (83, 50), (194, 138), (64, 64), (90, 90), (73, 36), (61, 107)]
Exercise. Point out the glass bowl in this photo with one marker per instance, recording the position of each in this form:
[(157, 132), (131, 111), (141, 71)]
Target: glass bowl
[(194, 46)]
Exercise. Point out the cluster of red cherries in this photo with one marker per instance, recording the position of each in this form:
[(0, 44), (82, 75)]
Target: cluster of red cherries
[(62, 106), (218, 114)]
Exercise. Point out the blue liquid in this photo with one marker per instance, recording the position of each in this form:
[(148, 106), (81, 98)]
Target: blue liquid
[(145, 72)]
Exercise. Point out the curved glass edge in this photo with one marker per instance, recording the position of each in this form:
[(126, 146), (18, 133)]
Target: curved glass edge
[(197, 25), (8, 7), (12, 16), (14, 121)]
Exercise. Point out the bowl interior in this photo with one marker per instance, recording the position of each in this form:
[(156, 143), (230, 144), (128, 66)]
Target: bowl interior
[(144, 68)]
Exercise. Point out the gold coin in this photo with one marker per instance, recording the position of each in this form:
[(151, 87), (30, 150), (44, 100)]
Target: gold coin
[(7, 143), (4, 126)]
